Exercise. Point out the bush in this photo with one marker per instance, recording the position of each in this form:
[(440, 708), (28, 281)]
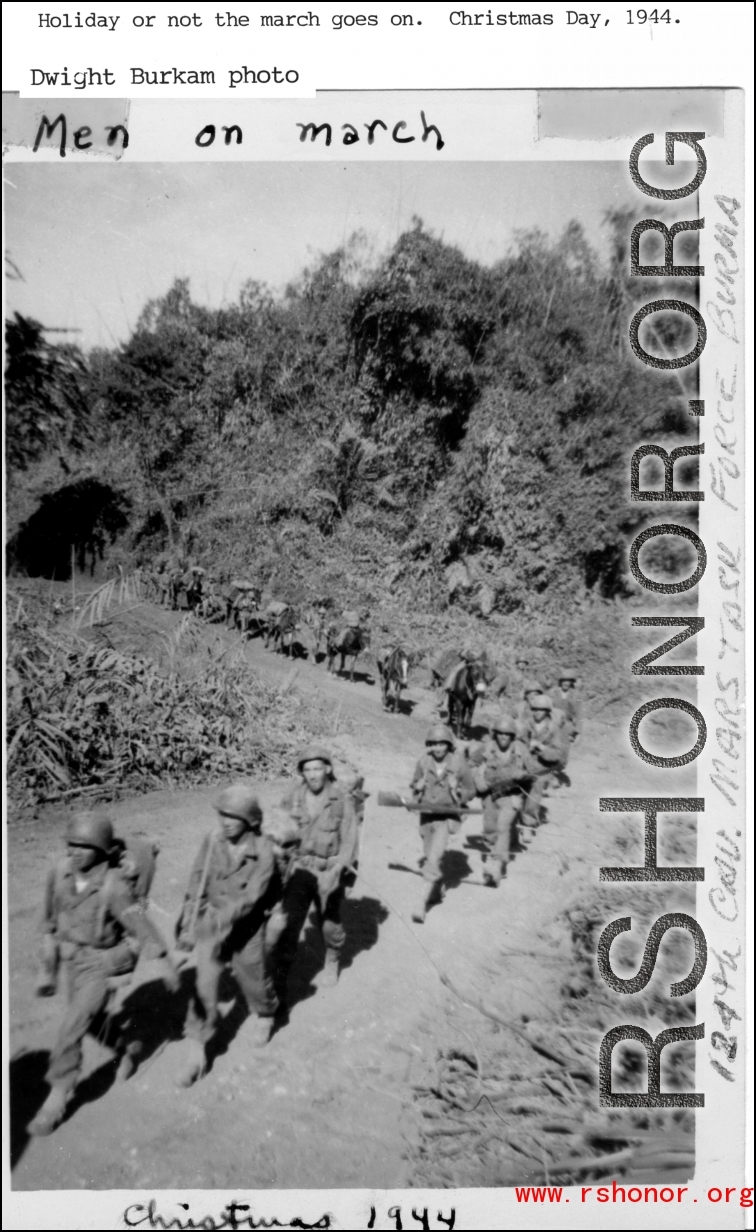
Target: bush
[(84, 717)]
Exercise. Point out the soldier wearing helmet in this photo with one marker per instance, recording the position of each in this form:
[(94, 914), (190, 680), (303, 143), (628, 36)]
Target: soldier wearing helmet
[(94, 928), (223, 921), (530, 686), (522, 669), (567, 702), (283, 834), (500, 687), (194, 585), (503, 773), (443, 783), (324, 816), (543, 732)]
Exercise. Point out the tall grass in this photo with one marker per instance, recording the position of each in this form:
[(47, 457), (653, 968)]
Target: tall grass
[(128, 588), (87, 718)]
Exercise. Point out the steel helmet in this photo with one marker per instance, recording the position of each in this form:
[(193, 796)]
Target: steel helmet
[(440, 734), (469, 655), (531, 686), (240, 801), (541, 701), (504, 723), (567, 673), (91, 830), (314, 752)]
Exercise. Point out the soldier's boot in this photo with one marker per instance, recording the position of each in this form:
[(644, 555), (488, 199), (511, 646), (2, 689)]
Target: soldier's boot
[(525, 832), (487, 878), (494, 872), (258, 1030), (128, 1060), (46, 983), (420, 912), (53, 1110), (196, 1065), (329, 976)]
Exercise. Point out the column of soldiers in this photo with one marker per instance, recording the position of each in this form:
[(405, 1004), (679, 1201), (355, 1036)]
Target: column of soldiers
[(523, 756), (249, 894), (253, 884)]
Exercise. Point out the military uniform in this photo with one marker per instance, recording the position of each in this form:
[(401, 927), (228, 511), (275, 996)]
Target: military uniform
[(547, 744), (501, 686), (442, 784), (284, 836), (98, 929), (518, 676), (226, 899), (94, 927), (501, 776), (327, 829), (567, 702)]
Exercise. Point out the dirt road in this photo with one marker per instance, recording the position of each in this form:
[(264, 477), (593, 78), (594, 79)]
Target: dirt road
[(329, 1102)]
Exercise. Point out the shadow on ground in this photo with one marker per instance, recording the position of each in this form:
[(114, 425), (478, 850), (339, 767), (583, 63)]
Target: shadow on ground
[(28, 1092), (362, 919)]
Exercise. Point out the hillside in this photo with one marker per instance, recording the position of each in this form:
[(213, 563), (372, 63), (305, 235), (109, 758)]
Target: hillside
[(452, 436)]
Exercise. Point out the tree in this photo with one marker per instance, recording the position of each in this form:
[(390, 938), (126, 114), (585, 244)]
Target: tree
[(45, 394), (419, 327), (351, 468)]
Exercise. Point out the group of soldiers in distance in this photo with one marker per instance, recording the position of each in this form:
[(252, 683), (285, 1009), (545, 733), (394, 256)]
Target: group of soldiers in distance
[(521, 759), (255, 880)]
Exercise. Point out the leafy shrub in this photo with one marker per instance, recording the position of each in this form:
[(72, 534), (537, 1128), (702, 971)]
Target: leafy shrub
[(82, 716)]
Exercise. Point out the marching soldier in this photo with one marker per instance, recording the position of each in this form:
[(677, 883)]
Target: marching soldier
[(544, 735), (324, 816), (283, 834), (520, 673), (523, 712), (161, 579), (503, 771), (223, 921), (567, 701), (445, 785), (95, 924), (193, 584), (500, 688)]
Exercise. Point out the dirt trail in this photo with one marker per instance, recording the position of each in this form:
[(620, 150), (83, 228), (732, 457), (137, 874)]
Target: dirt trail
[(329, 1102)]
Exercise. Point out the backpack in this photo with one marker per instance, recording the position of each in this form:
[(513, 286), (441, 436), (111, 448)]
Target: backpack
[(136, 860)]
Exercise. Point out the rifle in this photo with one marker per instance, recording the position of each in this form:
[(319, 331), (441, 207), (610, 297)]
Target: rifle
[(190, 934), (392, 799)]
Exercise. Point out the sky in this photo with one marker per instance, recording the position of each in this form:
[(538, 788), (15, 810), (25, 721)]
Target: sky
[(94, 243)]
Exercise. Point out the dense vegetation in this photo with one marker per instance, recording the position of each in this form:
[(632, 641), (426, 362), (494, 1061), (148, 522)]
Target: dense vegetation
[(86, 717), (450, 432)]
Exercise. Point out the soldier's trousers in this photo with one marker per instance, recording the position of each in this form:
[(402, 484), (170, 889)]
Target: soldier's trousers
[(499, 821), (534, 799), (87, 973), (435, 835), (243, 951), (301, 892)]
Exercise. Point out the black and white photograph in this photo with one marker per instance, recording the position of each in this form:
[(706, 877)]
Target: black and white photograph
[(323, 639)]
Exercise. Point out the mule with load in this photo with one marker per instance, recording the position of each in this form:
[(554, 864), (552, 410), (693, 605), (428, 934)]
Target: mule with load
[(393, 668), (348, 643), (282, 622)]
